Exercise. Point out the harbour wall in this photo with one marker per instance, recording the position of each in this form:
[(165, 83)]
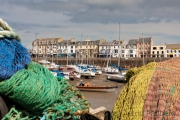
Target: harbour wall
[(102, 62)]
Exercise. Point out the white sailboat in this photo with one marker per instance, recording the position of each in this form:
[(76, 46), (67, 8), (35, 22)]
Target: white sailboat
[(110, 69), (120, 76)]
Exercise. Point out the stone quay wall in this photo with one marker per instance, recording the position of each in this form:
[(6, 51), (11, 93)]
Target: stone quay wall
[(102, 62)]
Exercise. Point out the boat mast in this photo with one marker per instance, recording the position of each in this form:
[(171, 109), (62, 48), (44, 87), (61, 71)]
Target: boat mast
[(109, 54), (143, 48), (119, 48), (67, 52), (87, 50), (75, 52), (52, 50), (46, 49), (81, 50), (107, 57)]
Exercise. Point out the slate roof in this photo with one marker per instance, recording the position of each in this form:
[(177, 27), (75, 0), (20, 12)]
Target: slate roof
[(132, 41), (147, 39), (172, 46)]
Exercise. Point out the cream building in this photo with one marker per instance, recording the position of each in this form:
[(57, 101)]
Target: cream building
[(158, 50), (88, 48), (45, 47)]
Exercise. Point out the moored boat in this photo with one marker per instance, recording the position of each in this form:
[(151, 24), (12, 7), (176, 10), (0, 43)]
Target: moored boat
[(74, 75), (116, 78), (95, 88), (87, 73), (110, 70)]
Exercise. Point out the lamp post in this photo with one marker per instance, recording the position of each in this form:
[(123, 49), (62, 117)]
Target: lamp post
[(37, 46)]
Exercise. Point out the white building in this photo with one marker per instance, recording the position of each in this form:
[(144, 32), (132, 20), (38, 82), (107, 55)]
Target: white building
[(172, 50), (113, 49), (132, 50), (105, 49), (118, 48), (67, 47)]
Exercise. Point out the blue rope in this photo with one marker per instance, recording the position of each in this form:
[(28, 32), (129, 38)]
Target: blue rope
[(13, 57)]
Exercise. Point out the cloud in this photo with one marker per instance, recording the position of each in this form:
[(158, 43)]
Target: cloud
[(94, 18), (109, 11), (27, 32)]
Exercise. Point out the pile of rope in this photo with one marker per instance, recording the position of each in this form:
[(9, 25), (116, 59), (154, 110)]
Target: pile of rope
[(37, 94), (152, 93)]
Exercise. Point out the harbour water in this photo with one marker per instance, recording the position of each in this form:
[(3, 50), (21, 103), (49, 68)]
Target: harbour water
[(99, 99)]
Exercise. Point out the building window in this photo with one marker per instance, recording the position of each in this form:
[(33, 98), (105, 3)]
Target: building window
[(71, 46), (154, 48), (161, 48), (167, 51), (174, 51), (122, 51), (131, 51), (115, 51), (157, 52), (153, 52), (131, 55), (71, 51)]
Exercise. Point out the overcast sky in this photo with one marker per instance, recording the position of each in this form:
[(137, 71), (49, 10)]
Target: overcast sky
[(95, 19)]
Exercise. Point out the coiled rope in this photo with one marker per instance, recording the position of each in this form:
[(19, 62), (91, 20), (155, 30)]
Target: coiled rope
[(7, 32)]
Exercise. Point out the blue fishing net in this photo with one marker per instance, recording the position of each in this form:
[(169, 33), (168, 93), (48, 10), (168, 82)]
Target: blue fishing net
[(13, 57)]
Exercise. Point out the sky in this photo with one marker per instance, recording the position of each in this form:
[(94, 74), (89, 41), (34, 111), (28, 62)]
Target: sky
[(93, 19)]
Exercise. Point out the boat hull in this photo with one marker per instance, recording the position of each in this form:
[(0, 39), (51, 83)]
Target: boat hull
[(73, 77), (115, 78), (97, 89)]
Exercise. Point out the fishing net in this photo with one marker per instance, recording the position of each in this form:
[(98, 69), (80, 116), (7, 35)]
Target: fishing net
[(13, 57), (37, 94), (152, 93)]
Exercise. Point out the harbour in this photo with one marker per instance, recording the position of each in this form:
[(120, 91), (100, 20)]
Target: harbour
[(71, 60), (98, 99)]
